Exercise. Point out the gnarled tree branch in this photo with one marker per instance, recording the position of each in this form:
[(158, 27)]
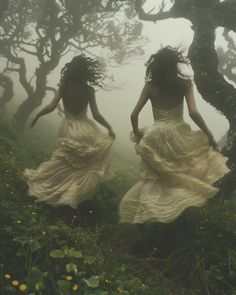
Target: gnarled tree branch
[(160, 15)]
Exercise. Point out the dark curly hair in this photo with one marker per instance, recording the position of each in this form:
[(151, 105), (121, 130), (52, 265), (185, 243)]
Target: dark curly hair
[(83, 71), (162, 69)]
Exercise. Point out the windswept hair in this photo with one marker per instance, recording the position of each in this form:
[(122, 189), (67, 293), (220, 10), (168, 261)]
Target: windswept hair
[(162, 69), (83, 71)]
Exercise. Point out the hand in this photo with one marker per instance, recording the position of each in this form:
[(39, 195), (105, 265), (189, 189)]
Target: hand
[(34, 122), (139, 134), (112, 134), (213, 143)]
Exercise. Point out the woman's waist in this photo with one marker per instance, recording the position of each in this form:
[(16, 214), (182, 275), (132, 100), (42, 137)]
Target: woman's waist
[(69, 116), (77, 125), (170, 126), (168, 121)]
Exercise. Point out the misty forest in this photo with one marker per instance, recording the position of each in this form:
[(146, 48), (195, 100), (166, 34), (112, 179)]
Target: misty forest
[(52, 251)]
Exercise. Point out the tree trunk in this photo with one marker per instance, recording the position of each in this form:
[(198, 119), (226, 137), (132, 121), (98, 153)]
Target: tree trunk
[(7, 95), (212, 85), (25, 109), (34, 99)]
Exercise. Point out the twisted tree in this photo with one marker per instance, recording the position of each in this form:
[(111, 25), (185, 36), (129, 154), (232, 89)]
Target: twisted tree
[(5, 81), (7, 85), (227, 64), (206, 16), (46, 30), (227, 61)]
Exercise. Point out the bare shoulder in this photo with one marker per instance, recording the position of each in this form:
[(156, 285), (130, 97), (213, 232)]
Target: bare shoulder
[(151, 90), (90, 92), (148, 88), (59, 90)]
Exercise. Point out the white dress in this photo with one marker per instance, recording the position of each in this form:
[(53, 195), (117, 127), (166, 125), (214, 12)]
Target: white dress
[(80, 163), (178, 169)]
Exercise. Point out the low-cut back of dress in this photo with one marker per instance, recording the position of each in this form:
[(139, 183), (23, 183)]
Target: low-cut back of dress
[(80, 163), (168, 115), (178, 169)]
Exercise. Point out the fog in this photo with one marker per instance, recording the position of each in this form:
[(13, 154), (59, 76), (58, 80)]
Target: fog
[(117, 104)]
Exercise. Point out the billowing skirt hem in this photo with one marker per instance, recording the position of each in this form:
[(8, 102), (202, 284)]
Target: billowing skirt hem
[(80, 163), (178, 171)]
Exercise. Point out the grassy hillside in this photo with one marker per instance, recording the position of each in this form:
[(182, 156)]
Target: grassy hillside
[(46, 251)]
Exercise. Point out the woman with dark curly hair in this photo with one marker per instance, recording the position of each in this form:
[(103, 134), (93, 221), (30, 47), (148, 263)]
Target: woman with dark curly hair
[(82, 159), (179, 166)]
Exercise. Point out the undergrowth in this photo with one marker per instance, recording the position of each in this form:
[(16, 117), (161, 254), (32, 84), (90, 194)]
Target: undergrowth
[(49, 251)]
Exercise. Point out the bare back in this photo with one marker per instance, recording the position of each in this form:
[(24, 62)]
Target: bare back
[(166, 101), (76, 98)]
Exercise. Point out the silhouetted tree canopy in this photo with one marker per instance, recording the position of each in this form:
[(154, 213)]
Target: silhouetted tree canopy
[(44, 31)]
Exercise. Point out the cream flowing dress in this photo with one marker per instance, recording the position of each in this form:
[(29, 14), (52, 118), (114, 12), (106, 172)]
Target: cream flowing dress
[(178, 169), (79, 164)]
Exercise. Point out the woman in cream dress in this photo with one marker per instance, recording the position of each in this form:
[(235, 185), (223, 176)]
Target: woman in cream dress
[(179, 166), (82, 159)]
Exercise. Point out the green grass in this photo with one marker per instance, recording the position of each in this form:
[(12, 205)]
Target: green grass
[(42, 248)]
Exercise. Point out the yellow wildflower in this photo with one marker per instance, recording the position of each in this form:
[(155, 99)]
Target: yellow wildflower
[(68, 278), (18, 221), (22, 287), (37, 286), (7, 276), (15, 283), (75, 287)]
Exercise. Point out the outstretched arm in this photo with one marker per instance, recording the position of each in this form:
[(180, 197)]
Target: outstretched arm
[(196, 116), (97, 115), (140, 104), (49, 108)]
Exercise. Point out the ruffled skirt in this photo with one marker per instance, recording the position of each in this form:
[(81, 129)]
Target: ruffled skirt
[(178, 170), (80, 163)]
